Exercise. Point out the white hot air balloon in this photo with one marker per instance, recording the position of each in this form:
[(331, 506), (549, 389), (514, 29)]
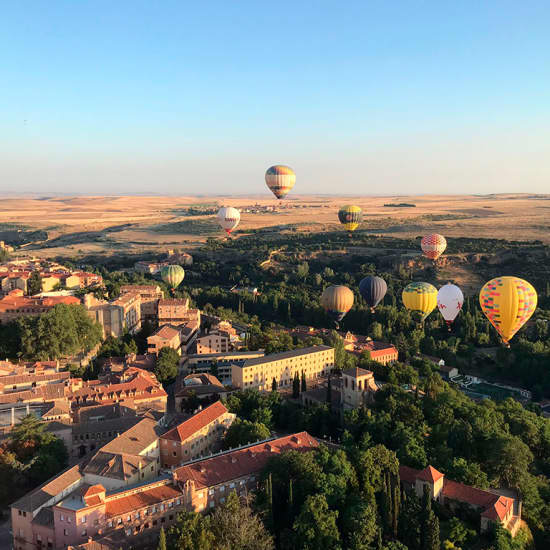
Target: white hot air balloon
[(229, 218), (449, 302)]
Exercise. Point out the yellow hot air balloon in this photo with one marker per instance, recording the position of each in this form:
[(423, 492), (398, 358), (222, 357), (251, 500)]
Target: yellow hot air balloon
[(420, 298), (350, 217), (337, 300), (280, 179), (508, 303)]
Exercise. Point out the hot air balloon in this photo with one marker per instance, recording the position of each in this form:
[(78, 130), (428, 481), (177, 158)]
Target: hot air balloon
[(449, 302), (433, 246), (350, 217), (373, 290), (172, 275), (228, 218), (420, 298), (280, 179), (508, 303), (337, 301)]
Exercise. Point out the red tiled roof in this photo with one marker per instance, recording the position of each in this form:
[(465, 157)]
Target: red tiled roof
[(167, 332), (241, 462), (198, 421), (94, 490), (499, 509), (430, 474), (464, 493), (408, 475), (125, 504)]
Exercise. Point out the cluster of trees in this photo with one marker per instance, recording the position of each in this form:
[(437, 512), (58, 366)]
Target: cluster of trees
[(63, 331), (28, 457)]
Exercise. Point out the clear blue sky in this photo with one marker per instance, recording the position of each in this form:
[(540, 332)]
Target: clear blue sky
[(358, 97)]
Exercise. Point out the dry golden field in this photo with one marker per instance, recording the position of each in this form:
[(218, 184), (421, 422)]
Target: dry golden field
[(92, 224)]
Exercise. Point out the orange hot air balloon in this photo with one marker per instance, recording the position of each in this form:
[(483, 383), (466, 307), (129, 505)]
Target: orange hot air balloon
[(508, 303), (433, 245), (280, 179), (337, 300)]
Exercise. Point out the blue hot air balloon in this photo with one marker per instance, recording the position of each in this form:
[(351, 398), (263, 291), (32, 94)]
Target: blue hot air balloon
[(373, 289)]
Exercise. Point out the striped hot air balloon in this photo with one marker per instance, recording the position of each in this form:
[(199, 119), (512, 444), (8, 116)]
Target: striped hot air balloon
[(280, 179), (420, 298), (228, 218), (508, 303), (373, 290), (350, 217), (337, 300), (433, 246), (172, 275)]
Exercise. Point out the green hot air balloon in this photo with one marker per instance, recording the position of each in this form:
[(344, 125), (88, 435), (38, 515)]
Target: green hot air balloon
[(172, 275)]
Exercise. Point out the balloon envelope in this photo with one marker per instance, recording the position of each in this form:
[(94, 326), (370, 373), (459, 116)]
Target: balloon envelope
[(350, 217), (172, 275), (337, 301), (420, 298), (280, 179), (229, 218), (433, 245), (508, 303), (449, 301), (373, 290)]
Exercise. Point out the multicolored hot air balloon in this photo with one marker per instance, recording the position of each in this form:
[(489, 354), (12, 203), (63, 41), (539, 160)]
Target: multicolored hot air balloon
[(228, 218), (280, 179), (337, 301), (373, 290), (420, 298), (433, 246), (508, 303), (172, 275), (449, 302), (350, 217)]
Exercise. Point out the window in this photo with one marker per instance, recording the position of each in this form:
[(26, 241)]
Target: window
[(119, 521), (129, 518), (83, 519), (62, 518), (174, 453), (211, 492), (211, 504), (65, 532), (84, 533)]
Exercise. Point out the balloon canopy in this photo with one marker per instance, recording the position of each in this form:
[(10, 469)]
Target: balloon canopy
[(508, 303), (350, 217), (280, 179), (337, 300), (420, 298), (373, 289), (449, 302), (228, 218), (433, 245), (172, 275)]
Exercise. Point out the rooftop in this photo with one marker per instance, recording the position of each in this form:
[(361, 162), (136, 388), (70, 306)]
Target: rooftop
[(187, 428), (356, 372), (285, 355), (130, 503)]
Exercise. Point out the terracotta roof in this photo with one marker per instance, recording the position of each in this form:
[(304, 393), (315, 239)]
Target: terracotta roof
[(430, 474), (284, 355), (499, 509), (356, 372), (186, 429), (125, 504), (174, 302), (30, 377), (166, 332), (116, 465), (464, 493), (94, 490), (241, 462), (135, 439), (408, 475)]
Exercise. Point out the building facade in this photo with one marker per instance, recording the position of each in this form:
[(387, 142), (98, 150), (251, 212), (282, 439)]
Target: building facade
[(357, 388)]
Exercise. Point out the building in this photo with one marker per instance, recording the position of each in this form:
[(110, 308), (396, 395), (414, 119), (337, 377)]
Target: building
[(314, 362), (357, 388), (167, 336), (213, 342), (6, 247), (205, 387), (175, 311), (492, 506), (13, 307), (198, 436), (117, 317), (149, 295), (73, 510), (180, 258)]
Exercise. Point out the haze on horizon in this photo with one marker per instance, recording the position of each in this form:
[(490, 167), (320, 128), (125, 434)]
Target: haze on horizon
[(359, 98)]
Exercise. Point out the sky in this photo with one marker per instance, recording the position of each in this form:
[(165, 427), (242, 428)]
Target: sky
[(366, 97)]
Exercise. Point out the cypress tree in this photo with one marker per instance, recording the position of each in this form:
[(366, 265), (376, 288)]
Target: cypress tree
[(432, 540), (304, 383), (329, 391), (274, 385), (396, 505), (296, 386), (162, 540)]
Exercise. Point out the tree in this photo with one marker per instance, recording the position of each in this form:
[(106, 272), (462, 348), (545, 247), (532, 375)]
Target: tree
[(296, 386), (315, 526), (236, 527), (242, 432), (167, 366), (191, 532), (274, 385), (360, 527), (302, 271), (304, 382), (162, 540), (328, 397), (34, 284)]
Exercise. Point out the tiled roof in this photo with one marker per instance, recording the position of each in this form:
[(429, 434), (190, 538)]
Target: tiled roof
[(285, 355), (499, 509), (430, 474), (33, 377), (408, 475), (356, 372), (464, 493), (93, 490), (126, 504), (44, 517), (166, 332), (241, 462), (137, 438), (37, 498), (186, 429), (116, 465), (174, 302)]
